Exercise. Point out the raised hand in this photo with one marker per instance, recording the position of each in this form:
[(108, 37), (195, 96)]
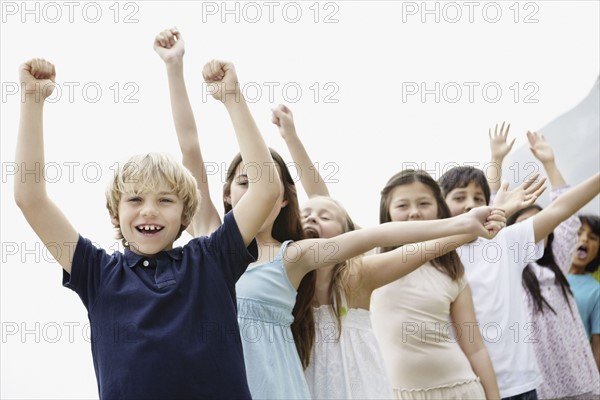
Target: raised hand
[(522, 196), (284, 119), (169, 45), (540, 148), (37, 78), (498, 144), (222, 80)]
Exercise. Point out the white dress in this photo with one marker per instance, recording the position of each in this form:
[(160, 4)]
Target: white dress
[(350, 367)]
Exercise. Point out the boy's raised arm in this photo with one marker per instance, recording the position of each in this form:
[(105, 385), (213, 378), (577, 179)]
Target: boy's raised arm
[(49, 223), (264, 183), (170, 47)]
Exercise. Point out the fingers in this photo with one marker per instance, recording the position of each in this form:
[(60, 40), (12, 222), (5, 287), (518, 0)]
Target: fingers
[(504, 186), (168, 38), (511, 144), (527, 183), (213, 71), (40, 69)]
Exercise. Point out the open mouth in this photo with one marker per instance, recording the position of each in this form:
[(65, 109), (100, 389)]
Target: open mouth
[(582, 252), (149, 229), (311, 233)]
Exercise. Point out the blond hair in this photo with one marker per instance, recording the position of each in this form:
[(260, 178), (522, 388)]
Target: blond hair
[(146, 173)]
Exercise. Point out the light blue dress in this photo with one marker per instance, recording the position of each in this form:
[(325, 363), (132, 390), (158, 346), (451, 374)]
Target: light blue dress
[(265, 299)]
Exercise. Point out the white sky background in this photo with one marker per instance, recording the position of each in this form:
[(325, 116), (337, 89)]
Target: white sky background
[(362, 59)]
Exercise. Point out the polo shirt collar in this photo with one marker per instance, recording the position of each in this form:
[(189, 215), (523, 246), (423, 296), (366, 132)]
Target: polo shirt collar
[(132, 259)]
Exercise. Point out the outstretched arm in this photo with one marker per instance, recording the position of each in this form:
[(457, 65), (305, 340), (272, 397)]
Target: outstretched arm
[(382, 269), (462, 313), (310, 254), (560, 209), (170, 47), (264, 189), (311, 179), (47, 220), (499, 149)]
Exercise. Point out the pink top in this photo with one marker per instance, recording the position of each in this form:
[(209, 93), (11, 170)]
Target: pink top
[(561, 345)]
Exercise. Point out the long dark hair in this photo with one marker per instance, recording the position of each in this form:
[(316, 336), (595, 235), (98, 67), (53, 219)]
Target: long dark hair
[(288, 226), (448, 263), (530, 281)]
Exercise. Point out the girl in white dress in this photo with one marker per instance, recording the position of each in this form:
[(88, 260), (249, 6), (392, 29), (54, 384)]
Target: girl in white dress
[(345, 359)]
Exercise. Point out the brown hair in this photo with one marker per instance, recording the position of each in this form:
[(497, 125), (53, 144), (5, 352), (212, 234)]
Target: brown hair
[(448, 263), (288, 226)]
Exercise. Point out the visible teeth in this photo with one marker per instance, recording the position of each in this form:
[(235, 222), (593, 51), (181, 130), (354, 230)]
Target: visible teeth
[(150, 228)]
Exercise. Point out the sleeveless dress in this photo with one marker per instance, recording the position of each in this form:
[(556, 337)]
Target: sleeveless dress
[(351, 367), (411, 320), (265, 300)]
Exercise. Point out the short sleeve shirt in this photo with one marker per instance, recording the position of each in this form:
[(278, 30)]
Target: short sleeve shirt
[(166, 326)]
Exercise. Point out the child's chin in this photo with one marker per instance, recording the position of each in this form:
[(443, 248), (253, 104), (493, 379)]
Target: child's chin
[(311, 234)]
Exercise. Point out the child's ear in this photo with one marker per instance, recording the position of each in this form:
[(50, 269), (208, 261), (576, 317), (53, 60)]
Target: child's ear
[(115, 221), (284, 203), (186, 222), (227, 199)]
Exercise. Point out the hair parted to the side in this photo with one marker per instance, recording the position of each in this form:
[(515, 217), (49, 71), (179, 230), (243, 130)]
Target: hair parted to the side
[(144, 173), (448, 263), (593, 221), (288, 226), (460, 177), (530, 281)]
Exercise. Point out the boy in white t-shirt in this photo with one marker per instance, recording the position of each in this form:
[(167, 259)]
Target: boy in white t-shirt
[(494, 268)]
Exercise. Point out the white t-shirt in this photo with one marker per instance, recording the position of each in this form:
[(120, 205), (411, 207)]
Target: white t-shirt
[(494, 270)]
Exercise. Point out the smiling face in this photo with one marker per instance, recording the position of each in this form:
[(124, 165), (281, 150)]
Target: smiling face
[(150, 221), (322, 218), (412, 202), (587, 247), (462, 200)]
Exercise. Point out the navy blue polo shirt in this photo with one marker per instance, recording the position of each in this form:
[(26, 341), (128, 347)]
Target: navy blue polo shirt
[(166, 327)]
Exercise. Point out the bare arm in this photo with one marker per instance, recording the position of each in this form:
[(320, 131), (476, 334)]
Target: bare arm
[(560, 209), (311, 179), (170, 47), (46, 219), (382, 269), (499, 150), (310, 254), (470, 341), (264, 189), (542, 150)]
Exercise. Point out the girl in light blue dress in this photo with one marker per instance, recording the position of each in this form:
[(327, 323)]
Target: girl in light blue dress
[(275, 294)]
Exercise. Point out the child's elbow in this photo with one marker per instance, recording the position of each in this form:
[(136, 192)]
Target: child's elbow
[(26, 201)]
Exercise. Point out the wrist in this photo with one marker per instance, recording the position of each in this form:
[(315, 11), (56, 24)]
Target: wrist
[(234, 100), (289, 134), (32, 99), (174, 62)]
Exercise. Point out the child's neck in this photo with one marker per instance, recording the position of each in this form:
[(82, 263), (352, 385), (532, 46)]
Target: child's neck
[(577, 270), (268, 246)]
